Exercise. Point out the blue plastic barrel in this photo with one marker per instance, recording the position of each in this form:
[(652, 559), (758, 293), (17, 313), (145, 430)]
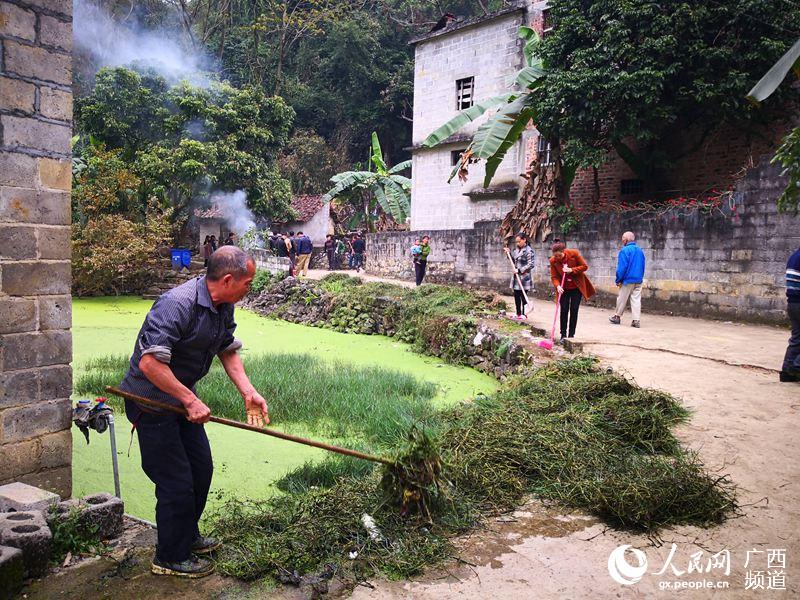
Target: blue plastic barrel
[(186, 258), (176, 258)]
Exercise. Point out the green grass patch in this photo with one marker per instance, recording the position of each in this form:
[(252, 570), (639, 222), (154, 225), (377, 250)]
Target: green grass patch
[(571, 433), (335, 400)]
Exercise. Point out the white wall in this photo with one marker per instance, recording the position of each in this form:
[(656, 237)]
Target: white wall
[(490, 52), (316, 228)]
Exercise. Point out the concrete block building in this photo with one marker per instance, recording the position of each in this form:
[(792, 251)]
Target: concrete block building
[(456, 67)]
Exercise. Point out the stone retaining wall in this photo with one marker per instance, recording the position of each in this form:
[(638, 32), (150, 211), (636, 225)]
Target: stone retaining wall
[(728, 264), (35, 302)]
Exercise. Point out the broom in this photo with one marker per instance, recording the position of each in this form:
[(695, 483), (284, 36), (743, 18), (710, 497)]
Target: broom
[(519, 281), (548, 344)]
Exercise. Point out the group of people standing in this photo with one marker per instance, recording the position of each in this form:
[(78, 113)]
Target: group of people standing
[(210, 245), (298, 248), (572, 285)]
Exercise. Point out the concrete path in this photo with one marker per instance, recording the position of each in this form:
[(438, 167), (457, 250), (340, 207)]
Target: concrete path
[(744, 425)]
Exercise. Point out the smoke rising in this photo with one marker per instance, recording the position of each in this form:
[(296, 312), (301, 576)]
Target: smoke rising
[(113, 44), (238, 217)]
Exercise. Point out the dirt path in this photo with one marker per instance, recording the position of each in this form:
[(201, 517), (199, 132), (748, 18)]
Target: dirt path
[(744, 424)]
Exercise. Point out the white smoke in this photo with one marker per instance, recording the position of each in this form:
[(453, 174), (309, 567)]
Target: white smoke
[(112, 44), (233, 206)]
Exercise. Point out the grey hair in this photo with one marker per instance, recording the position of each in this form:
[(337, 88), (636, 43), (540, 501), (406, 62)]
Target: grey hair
[(628, 236), (228, 260)]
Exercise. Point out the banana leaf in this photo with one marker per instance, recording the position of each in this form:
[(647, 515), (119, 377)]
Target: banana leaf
[(465, 117), (402, 166), (348, 179), (773, 78)]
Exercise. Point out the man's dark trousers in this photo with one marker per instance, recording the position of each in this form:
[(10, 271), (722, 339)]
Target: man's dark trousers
[(791, 362), (176, 457), (419, 270)]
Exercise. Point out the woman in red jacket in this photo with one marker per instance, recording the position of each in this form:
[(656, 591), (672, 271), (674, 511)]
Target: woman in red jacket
[(567, 265)]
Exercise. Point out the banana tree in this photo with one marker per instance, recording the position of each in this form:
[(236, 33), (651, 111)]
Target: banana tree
[(384, 187), (514, 110)]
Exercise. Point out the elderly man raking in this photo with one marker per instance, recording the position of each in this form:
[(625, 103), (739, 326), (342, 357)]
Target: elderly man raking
[(183, 332)]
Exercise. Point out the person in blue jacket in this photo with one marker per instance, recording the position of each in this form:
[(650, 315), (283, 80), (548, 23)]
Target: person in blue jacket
[(791, 361), (630, 274)]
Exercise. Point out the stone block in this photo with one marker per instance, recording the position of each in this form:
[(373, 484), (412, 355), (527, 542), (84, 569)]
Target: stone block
[(28, 531), (100, 514), (37, 63), (17, 169), (27, 350), (55, 450), (55, 243), (21, 497), (27, 132), (17, 22), (105, 511), (16, 94), (55, 174), (55, 312), (12, 572), (24, 422), (19, 458), (55, 104), (19, 242), (58, 481), (34, 278), (19, 387), (55, 32), (62, 7), (21, 205), (17, 314), (55, 382)]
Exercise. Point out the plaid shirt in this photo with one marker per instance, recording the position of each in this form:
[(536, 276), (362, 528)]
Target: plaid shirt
[(185, 331)]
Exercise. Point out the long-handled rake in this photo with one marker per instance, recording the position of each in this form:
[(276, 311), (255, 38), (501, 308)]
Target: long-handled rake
[(413, 479), (239, 425)]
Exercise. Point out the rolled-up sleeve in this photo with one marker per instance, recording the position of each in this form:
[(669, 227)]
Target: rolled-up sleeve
[(229, 342), (163, 326)]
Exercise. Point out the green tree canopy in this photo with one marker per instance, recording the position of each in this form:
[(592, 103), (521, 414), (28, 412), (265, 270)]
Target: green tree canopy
[(634, 75), (185, 141)]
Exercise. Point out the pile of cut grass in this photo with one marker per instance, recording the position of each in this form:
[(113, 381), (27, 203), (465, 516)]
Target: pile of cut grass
[(373, 405), (569, 433)]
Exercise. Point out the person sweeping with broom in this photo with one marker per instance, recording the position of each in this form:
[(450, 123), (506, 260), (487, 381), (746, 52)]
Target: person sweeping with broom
[(568, 274), (521, 281), (183, 332)]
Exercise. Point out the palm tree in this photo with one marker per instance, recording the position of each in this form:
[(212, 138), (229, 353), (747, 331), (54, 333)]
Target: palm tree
[(384, 187)]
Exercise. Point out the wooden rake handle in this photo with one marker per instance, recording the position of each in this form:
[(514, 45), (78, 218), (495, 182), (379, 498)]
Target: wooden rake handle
[(240, 425)]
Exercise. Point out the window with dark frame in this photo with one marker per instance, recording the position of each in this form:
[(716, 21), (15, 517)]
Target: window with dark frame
[(544, 151), (455, 157), (547, 24), (629, 187), (465, 93)]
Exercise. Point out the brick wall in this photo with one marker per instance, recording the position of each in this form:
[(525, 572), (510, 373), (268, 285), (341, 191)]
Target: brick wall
[(722, 265), (35, 303)]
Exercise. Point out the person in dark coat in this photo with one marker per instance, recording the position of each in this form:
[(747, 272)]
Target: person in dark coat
[(330, 251), (523, 257), (568, 266), (185, 329), (791, 361)]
